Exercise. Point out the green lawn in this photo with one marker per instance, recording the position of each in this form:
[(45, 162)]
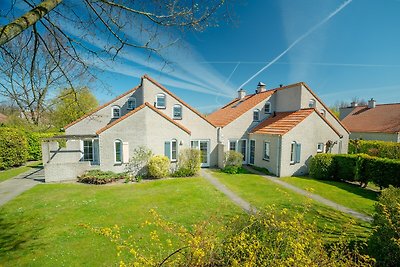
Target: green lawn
[(41, 226), (7, 174), (349, 195), (261, 193)]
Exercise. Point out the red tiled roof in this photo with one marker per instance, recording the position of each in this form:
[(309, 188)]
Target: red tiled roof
[(136, 110), (177, 98), (283, 122), (384, 118), (102, 106)]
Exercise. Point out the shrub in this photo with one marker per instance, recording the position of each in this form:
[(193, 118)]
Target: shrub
[(188, 163), (13, 148), (35, 144), (321, 167), (232, 162), (159, 166), (138, 163), (382, 172), (347, 167), (381, 149), (100, 177), (384, 243)]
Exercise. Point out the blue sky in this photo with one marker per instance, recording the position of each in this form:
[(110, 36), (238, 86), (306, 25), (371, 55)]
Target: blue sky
[(341, 49)]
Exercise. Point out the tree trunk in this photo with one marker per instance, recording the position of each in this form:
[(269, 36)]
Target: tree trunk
[(13, 29)]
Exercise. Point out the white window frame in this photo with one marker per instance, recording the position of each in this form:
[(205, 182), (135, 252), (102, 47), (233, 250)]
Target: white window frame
[(112, 112), (312, 103), (131, 100), (83, 150), (266, 156), (115, 151), (258, 114), (165, 101), (320, 149), (173, 112), (176, 150), (293, 152), (229, 145), (323, 112), (255, 145), (269, 108)]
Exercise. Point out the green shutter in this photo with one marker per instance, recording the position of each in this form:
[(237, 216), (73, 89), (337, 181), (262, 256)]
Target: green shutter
[(167, 149), (298, 153)]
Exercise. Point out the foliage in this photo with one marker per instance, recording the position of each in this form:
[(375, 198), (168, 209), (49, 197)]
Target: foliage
[(189, 162), (380, 149), (159, 166), (384, 243), (71, 104), (35, 143), (261, 169), (232, 162), (138, 163), (382, 172), (269, 238), (13, 148), (321, 166), (100, 177), (346, 167)]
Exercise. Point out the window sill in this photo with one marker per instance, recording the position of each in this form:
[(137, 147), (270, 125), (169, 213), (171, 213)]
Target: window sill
[(161, 107), (266, 159), (292, 163), (117, 163), (178, 119)]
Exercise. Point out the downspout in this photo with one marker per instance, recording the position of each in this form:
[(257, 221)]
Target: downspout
[(278, 153)]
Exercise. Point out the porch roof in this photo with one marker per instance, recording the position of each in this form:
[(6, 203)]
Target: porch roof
[(71, 137)]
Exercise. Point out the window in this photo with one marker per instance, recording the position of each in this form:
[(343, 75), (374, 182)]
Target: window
[(87, 150), (320, 147), (160, 101), (174, 150), (232, 145), (323, 112), (118, 151), (311, 103), (267, 108), (252, 151), (266, 151), (131, 103), (116, 112), (295, 152), (177, 112), (256, 115)]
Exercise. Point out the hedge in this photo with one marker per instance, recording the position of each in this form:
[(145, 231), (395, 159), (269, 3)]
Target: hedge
[(35, 144), (13, 148), (357, 167), (382, 149)]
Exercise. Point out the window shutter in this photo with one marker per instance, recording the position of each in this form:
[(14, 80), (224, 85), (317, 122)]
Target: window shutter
[(298, 153), (167, 149), (125, 152)]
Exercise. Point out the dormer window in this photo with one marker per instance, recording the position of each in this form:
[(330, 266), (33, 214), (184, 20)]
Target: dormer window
[(177, 112), (160, 101), (116, 112), (311, 103), (267, 108), (256, 115), (131, 103), (323, 112)]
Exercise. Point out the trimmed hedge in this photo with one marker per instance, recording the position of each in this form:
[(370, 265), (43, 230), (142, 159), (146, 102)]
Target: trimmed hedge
[(357, 167), (100, 177), (382, 149), (35, 144), (13, 148), (158, 166)]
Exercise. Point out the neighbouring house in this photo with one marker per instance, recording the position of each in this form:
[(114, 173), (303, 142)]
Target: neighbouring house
[(3, 118), (279, 129), (372, 121)]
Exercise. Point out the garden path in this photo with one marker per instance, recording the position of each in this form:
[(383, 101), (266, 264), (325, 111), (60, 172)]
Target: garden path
[(231, 195), (15, 186), (315, 197)]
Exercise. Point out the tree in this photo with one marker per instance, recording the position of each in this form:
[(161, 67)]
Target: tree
[(71, 104)]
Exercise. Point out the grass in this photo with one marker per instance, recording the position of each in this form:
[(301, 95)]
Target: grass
[(348, 195), (262, 193), (41, 227), (8, 174)]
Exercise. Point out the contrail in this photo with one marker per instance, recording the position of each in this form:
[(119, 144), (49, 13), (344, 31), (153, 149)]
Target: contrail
[(299, 40)]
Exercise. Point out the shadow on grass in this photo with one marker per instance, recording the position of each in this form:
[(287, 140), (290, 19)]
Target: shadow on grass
[(351, 188)]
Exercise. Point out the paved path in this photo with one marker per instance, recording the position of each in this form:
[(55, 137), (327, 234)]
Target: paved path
[(221, 187), (13, 187), (315, 197)]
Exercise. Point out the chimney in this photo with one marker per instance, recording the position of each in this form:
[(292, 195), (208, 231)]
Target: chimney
[(371, 103), (241, 93), (353, 104), (261, 87)]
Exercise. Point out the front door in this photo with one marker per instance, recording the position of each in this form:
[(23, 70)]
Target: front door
[(242, 148), (252, 151), (204, 147)]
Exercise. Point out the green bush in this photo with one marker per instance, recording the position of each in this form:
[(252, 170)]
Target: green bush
[(13, 148), (382, 172), (384, 243), (189, 162), (382, 149), (100, 177), (347, 167), (138, 163), (322, 167), (35, 143), (232, 162), (159, 166)]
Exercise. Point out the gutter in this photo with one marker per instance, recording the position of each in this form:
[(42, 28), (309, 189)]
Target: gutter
[(278, 153)]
